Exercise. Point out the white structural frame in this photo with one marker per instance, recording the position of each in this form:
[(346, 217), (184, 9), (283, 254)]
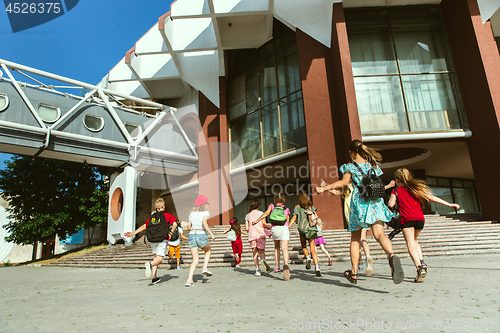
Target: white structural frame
[(105, 95)]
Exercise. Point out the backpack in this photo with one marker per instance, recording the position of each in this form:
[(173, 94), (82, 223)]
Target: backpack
[(371, 185), (231, 236), (310, 220), (158, 228), (277, 216), (175, 236)]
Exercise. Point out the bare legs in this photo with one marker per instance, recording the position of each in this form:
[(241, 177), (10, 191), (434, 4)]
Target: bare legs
[(157, 260), (194, 254), (256, 254), (414, 249)]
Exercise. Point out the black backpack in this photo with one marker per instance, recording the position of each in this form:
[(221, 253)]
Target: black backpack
[(158, 228), (371, 185), (175, 235)]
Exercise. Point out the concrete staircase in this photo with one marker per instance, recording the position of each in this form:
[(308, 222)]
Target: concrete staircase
[(441, 236)]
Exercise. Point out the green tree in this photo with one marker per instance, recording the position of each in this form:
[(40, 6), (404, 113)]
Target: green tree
[(51, 197)]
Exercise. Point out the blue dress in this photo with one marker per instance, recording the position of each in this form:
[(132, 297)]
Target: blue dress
[(364, 211)]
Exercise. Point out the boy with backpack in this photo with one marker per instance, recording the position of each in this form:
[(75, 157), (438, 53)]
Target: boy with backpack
[(174, 244), (159, 227)]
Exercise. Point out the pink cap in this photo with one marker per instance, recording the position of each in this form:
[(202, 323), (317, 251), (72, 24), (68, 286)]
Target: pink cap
[(200, 200)]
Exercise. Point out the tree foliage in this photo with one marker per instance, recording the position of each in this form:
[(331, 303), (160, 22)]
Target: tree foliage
[(49, 197)]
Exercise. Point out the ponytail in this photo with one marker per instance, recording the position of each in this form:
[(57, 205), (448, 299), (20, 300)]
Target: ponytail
[(369, 154)]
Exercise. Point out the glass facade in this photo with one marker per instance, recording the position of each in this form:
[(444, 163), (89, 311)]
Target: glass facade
[(460, 191), (403, 74), (266, 112)]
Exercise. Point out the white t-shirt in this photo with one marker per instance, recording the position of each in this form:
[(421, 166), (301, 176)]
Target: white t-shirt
[(196, 219), (178, 241)]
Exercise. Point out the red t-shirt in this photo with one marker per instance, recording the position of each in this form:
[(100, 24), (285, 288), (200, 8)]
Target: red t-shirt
[(409, 206), (170, 220)]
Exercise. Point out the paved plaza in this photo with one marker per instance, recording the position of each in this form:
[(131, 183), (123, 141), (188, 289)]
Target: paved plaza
[(460, 293)]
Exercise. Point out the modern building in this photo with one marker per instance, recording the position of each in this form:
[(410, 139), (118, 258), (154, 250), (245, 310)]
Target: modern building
[(293, 82)]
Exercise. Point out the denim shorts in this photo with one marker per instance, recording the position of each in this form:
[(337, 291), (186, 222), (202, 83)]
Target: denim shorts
[(197, 240)]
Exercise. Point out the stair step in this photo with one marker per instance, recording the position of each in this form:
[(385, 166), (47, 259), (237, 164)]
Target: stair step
[(441, 236)]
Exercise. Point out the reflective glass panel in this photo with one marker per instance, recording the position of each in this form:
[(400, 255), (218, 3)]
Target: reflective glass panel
[(467, 200), (431, 102), (133, 129), (3, 102), (445, 194), (48, 113), (422, 49), (93, 123), (267, 74), (245, 132), (372, 51), (293, 125), (288, 70), (271, 130), (380, 104)]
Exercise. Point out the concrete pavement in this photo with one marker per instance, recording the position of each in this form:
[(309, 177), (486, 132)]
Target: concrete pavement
[(460, 293)]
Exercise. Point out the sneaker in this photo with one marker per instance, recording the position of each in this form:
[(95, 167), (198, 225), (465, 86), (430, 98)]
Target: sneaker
[(308, 263), (155, 280), (369, 266), (179, 268), (397, 269), (277, 269), (266, 265), (330, 262), (361, 267), (286, 272), (318, 271), (257, 272), (206, 272), (237, 266), (148, 269)]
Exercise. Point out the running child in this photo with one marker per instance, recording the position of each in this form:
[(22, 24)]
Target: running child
[(256, 236), (237, 244), (278, 218)]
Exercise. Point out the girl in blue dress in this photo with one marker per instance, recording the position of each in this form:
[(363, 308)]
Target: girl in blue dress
[(365, 212)]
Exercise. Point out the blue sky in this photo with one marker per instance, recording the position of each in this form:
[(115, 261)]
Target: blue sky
[(83, 44)]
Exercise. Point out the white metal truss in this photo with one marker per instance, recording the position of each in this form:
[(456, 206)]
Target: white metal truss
[(98, 95)]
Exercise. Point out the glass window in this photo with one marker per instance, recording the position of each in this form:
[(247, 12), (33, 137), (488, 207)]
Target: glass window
[(4, 102), (456, 183), (93, 123), (293, 128), (372, 52), (422, 49), (403, 73), (431, 181), (245, 132), (467, 200), (48, 113), (288, 70), (445, 194), (271, 130), (380, 104), (443, 182), (266, 109), (133, 129), (267, 75), (431, 103)]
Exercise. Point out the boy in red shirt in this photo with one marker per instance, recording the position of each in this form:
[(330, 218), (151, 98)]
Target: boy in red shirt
[(158, 248)]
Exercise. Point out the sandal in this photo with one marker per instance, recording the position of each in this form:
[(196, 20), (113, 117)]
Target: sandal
[(353, 278), (397, 272), (424, 265), (421, 273)]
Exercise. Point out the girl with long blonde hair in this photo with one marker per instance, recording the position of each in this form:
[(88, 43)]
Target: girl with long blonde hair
[(410, 194)]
